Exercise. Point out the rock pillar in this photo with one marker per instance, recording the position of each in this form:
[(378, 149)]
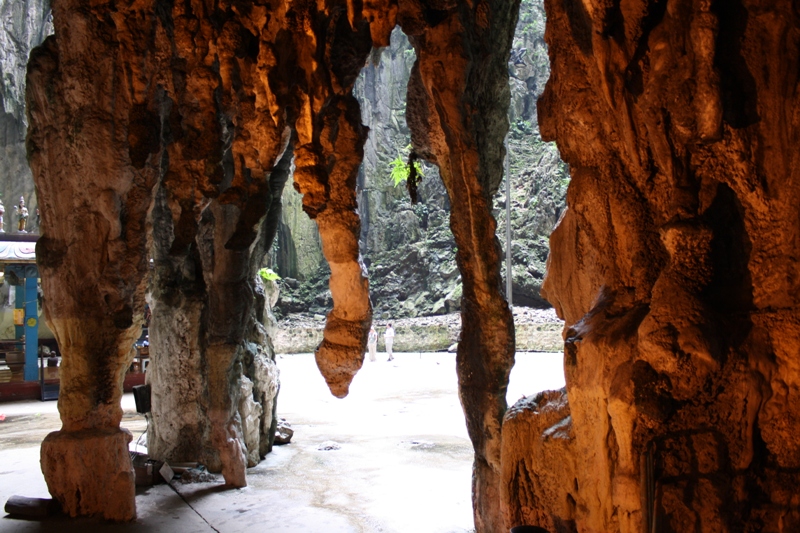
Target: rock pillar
[(458, 99), (224, 143), (95, 175), (675, 268)]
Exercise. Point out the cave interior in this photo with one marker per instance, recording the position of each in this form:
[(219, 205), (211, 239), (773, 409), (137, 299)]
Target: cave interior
[(167, 130)]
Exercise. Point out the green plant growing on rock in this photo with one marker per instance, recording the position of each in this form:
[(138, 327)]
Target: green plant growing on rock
[(267, 274), (409, 171), (401, 170)]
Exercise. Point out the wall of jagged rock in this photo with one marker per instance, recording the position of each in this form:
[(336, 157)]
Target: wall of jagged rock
[(675, 267), (409, 249), (25, 24)]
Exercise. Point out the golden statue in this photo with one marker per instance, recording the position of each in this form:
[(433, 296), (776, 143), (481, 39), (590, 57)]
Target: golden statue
[(22, 213)]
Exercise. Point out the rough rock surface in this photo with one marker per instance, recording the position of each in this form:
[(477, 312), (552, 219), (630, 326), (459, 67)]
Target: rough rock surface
[(538, 430), (89, 472), (184, 111), (250, 413), (675, 267), (93, 253), (458, 119), (158, 128), (283, 432)]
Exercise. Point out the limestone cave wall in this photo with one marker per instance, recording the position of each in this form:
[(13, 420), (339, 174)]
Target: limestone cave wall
[(25, 24), (675, 268)]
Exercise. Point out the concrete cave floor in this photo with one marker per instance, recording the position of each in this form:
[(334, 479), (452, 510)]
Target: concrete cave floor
[(404, 462)]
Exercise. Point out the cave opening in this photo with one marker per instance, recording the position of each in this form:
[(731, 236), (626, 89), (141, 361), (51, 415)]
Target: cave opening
[(167, 130)]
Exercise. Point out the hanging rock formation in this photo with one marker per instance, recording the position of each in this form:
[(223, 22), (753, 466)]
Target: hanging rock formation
[(186, 112), (458, 99), (675, 268), (166, 129), (409, 248)]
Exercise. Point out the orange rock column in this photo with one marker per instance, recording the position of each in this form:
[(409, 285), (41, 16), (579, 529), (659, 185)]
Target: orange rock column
[(458, 98), (675, 267), (95, 166), (223, 144)]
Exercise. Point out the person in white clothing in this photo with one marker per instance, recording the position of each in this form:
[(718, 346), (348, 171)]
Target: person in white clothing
[(372, 343), (388, 337)]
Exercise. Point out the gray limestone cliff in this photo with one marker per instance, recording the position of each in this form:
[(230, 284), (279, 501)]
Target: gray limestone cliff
[(25, 24)]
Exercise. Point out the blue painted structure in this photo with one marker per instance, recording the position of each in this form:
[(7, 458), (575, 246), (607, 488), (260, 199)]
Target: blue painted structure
[(18, 258), (31, 327)]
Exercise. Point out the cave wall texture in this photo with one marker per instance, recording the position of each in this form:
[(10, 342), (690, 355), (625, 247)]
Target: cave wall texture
[(675, 268)]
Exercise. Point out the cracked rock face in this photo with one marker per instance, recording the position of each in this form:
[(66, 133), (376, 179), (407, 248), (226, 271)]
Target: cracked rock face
[(675, 268)]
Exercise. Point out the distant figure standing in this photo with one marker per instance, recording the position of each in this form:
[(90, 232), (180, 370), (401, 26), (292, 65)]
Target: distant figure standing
[(2, 212), (372, 343), (388, 337)]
